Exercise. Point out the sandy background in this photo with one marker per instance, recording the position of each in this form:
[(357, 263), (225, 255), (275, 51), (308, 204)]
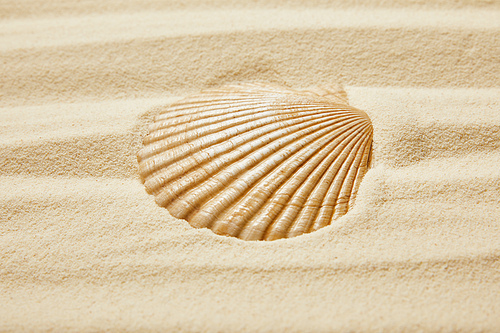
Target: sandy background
[(84, 248)]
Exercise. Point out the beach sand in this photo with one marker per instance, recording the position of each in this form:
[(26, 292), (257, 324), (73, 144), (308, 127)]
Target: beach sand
[(83, 247)]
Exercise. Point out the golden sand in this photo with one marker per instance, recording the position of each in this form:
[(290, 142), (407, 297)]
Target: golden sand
[(84, 248)]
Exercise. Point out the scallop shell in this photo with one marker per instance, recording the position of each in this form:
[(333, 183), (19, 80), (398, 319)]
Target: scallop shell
[(257, 162)]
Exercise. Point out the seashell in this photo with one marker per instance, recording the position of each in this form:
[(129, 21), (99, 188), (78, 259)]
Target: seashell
[(257, 161)]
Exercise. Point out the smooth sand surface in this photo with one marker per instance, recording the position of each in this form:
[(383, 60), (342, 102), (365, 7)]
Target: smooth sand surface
[(84, 248)]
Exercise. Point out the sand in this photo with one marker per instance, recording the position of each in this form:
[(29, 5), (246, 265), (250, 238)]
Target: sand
[(84, 248)]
